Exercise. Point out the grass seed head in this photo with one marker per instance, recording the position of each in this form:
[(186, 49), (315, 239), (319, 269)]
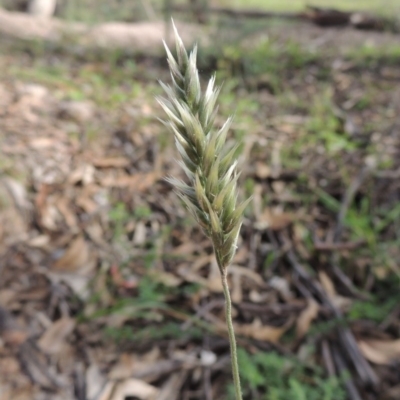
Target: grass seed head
[(211, 195)]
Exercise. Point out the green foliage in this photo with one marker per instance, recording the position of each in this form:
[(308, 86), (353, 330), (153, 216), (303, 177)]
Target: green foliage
[(369, 310), (246, 111), (118, 215), (95, 11), (266, 60), (367, 224), (151, 290), (249, 185), (372, 56), (54, 75), (375, 309), (298, 5), (364, 102), (325, 327), (108, 86), (358, 217), (269, 259), (142, 211), (269, 376), (325, 126)]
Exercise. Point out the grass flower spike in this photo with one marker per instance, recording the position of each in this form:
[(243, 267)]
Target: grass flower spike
[(210, 166)]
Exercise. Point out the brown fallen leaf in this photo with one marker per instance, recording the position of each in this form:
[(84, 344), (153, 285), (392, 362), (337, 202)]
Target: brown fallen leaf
[(123, 369), (135, 388), (263, 171), (84, 173), (75, 257), (43, 142), (40, 241), (185, 249), (111, 162), (7, 295), (14, 337), (383, 352), (258, 331), (65, 210), (19, 196), (50, 218), (166, 278), (35, 294), (237, 273), (392, 394), (172, 388), (106, 392), (41, 197), (274, 219), (242, 271), (77, 111), (188, 275), (306, 317), (120, 281), (327, 284), (340, 301), (87, 204), (10, 332), (14, 211), (140, 181), (96, 387), (281, 285), (214, 278), (53, 339), (9, 366), (237, 289)]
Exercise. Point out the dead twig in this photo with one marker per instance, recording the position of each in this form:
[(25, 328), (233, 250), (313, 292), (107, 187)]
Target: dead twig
[(346, 337), (347, 199), (35, 363), (327, 357), (342, 369), (332, 246)]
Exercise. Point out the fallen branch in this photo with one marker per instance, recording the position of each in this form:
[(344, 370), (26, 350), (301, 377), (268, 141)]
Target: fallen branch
[(343, 370), (139, 38), (347, 200), (238, 13), (338, 246), (324, 17)]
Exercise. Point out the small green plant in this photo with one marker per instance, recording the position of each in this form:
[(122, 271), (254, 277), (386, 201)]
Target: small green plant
[(210, 167), (248, 63), (372, 56), (288, 379), (373, 310), (325, 126), (118, 215)]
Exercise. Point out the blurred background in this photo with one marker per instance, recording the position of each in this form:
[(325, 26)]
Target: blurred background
[(139, 10), (109, 289)]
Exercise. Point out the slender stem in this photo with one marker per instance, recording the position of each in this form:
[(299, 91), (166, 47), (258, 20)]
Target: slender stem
[(231, 332)]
